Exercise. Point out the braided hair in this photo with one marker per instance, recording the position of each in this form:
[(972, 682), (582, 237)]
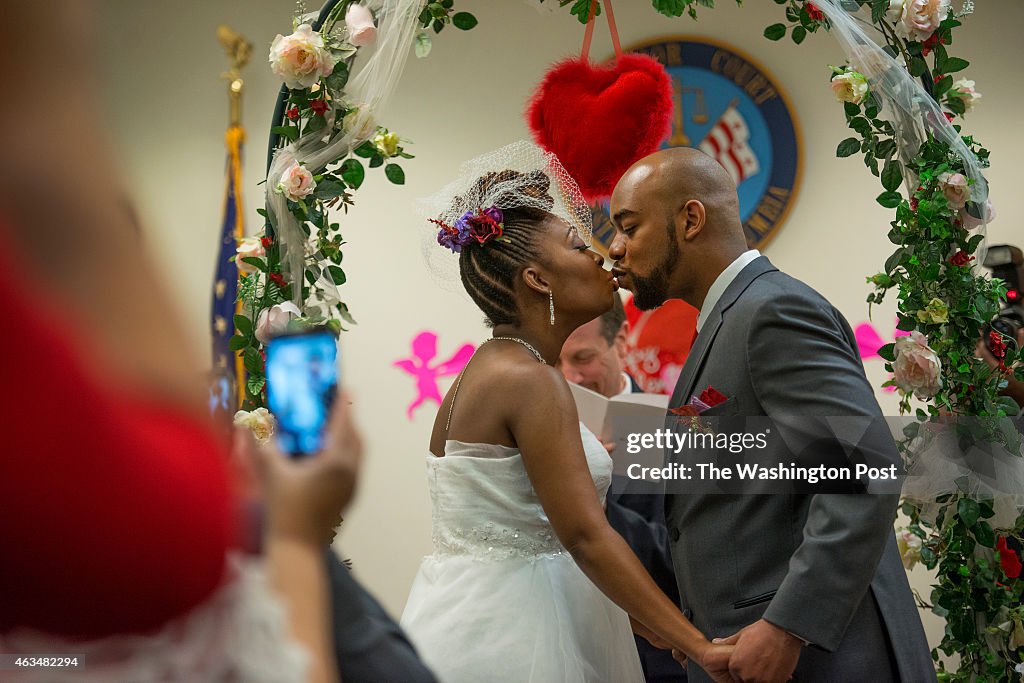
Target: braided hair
[(489, 271)]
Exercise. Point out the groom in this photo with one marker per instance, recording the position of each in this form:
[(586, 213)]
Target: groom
[(808, 587)]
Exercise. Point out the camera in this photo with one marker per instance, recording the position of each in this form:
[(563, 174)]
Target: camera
[(1007, 263)]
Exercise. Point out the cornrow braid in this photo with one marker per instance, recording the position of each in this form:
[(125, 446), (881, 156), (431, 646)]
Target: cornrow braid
[(489, 271)]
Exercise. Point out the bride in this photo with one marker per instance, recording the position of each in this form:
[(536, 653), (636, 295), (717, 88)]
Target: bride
[(527, 581)]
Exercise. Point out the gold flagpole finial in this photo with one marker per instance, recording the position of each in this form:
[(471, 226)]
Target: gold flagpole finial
[(239, 51)]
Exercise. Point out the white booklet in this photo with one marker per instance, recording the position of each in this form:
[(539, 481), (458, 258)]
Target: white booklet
[(613, 419)]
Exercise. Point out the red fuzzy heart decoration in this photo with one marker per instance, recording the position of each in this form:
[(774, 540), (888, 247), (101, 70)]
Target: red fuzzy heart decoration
[(599, 120)]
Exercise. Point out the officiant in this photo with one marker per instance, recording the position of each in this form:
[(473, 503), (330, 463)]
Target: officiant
[(594, 357)]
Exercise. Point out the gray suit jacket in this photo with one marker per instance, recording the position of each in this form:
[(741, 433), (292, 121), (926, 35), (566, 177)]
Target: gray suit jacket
[(822, 566)]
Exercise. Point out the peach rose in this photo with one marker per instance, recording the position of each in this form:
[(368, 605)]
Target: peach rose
[(296, 183), (916, 368), (909, 544), (955, 188), (359, 23), (850, 87), (921, 18), (301, 59), (964, 89), (895, 11), (248, 247), (274, 320)]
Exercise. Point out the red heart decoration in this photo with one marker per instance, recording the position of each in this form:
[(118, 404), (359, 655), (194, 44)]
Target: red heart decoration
[(600, 120)]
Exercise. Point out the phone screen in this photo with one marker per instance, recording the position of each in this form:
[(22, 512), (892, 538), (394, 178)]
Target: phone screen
[(302, 378)]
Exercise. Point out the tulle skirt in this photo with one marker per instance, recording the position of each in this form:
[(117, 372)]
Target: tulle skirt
[(523, 620)]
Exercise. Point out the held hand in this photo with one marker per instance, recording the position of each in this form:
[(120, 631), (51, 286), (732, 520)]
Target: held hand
[(714, 661), (764, 653), (649, 635), (305, 497)]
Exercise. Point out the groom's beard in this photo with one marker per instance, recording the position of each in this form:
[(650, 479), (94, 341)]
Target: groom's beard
[(651, 291)]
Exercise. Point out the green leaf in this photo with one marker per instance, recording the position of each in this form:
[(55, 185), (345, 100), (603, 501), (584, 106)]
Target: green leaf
[(888, 352), (917, 67), (237, 343), (353, 173), (889, 200), (337, 275), (954, 64), (775, 31), (329, 189), (799, 33), (851, 109), (243, 325), (365, 150), (290, 133), (395, 174), (464, 20), (376, 160), (968, 510), (256, 262), (892, 175), (878, 10), (314, 124), (848, 147), (338, 78), (956, 105), (943, 86), (671, 8), (253, 362), (581, 10), (984, 534), (255, 385)]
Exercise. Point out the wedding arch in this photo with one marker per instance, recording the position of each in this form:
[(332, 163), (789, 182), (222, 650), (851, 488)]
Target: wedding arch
[(903, 101)]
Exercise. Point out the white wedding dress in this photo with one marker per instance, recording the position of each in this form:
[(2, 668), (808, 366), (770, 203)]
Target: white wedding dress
[(500, 599)]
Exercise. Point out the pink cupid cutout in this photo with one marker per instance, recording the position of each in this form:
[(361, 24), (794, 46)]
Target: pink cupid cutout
[(424, 350)]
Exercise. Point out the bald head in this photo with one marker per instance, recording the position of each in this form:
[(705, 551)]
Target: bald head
[(669, 178)]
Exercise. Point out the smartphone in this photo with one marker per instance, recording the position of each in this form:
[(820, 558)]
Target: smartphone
[(302, 380)]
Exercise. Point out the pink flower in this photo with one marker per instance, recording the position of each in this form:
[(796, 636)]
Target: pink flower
[(955, 188), (301, 59), (921, 18), (359, 22), (274, 320), (970, 222), (296, 183), (965, 90), (917, 368), (248, 247)]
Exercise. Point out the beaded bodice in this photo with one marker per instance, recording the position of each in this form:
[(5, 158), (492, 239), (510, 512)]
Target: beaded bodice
[(484, 505)]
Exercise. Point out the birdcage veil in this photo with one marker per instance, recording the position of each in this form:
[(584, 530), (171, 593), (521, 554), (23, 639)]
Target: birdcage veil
[(517, 176)]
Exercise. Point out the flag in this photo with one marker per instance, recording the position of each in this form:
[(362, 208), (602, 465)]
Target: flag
[(726, 142), (228, 372)]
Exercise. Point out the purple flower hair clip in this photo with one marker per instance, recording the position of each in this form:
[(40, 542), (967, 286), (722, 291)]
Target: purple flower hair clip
[(480, 226)]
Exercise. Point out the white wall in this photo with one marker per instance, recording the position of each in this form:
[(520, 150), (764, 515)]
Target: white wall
[(168, 109)]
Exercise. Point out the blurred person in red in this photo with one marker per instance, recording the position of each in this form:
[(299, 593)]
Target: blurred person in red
[(120, 519)]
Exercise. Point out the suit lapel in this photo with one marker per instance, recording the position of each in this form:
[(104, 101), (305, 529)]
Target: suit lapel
[(698, 354)]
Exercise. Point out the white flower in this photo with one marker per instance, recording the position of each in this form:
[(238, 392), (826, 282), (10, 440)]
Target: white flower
[(916, 368), (964, 89), (366, 124), (955, 188), (301, 59), (359, 22), (296, 182), (386, 143), (921, 18), (248, 247), (850, 87), (274, 320), (909, 544), (260, 422)]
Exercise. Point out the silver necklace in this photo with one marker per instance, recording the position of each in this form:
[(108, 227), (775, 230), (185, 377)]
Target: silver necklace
[(525, 343), (458, 382)]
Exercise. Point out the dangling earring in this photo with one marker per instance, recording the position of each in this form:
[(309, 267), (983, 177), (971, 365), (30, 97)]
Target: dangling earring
[(551, 306)]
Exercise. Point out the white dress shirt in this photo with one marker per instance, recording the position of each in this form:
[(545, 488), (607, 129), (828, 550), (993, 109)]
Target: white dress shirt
[(722, 282)]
